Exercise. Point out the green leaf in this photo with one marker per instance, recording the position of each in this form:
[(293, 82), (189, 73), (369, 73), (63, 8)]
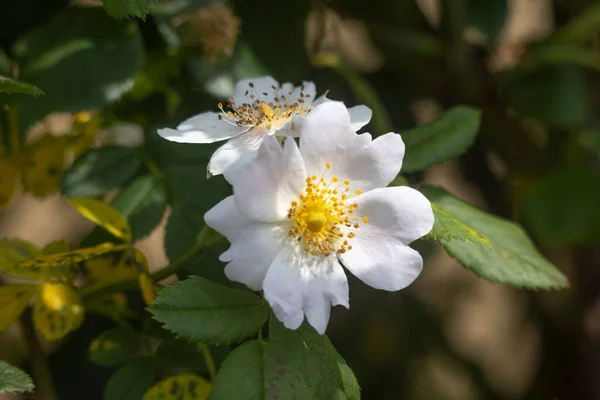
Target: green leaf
[(8, 85), (104, 215), (114, 347), (292, 364), (128, 8), (556, 94), (510, 257), (201, 311), (181, 353), (181, 387), (101, 170), (191, 195), (563, 207), (13, 301), (90, 64), (143, 202), (131, 380), (488, 16), (442, 140), (13, 380)]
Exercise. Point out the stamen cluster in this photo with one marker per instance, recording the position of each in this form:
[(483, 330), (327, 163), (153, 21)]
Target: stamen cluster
[(259, 113), (321, 211)]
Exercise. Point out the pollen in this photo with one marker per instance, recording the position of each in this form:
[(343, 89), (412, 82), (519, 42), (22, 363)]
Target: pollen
[(269, 110), (320, 214)]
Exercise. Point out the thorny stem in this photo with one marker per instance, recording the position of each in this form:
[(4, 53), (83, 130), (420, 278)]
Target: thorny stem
[(41, 369), (208, 359), (159, 275)]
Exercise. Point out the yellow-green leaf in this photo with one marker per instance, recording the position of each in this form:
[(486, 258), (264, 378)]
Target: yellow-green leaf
[(182, 387), (45, 165), (147, 288), (13, 301), (62, 263), (117, 267), (12, 251), (9, 180), (57, 310), (104, 215), (110, 268)]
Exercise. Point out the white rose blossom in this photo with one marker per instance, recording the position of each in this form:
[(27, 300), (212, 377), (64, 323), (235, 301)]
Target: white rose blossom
[(299, 213), (259, 108)]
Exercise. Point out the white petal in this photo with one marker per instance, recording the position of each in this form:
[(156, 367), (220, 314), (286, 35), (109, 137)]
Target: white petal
[(383, 265), (261, 85), (321, 99), (231, 158), (253, 245), (380, 255), (400, 212), (298, 284), (307, 88), (372, 165), (326, 136), (203, 128), (264, 189), (327, 288), (360, 116), (284, 290)]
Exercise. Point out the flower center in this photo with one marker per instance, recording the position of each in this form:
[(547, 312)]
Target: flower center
[(257, 112), (320, 213)]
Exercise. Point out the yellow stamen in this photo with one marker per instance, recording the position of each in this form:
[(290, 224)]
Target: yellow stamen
[(320, 213)]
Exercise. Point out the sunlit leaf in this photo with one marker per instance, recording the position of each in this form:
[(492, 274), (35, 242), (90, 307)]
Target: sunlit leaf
[(44, 166), (199, 310), (9, 180), (8, 85), (448, 227), (182, 387), (13, 301), (508, 257), (13, 380), (57, 310), (114, 347), (104, 215)]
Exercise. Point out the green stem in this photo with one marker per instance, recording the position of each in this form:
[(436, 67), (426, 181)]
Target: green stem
[(208, 359), (123, 286), (41, 369)]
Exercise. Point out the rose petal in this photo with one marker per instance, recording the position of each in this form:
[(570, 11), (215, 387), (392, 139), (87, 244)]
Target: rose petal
[(296, 284), (203, 128), (265, 189)]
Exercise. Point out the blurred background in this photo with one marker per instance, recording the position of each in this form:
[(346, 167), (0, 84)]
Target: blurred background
[(531, 66)]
